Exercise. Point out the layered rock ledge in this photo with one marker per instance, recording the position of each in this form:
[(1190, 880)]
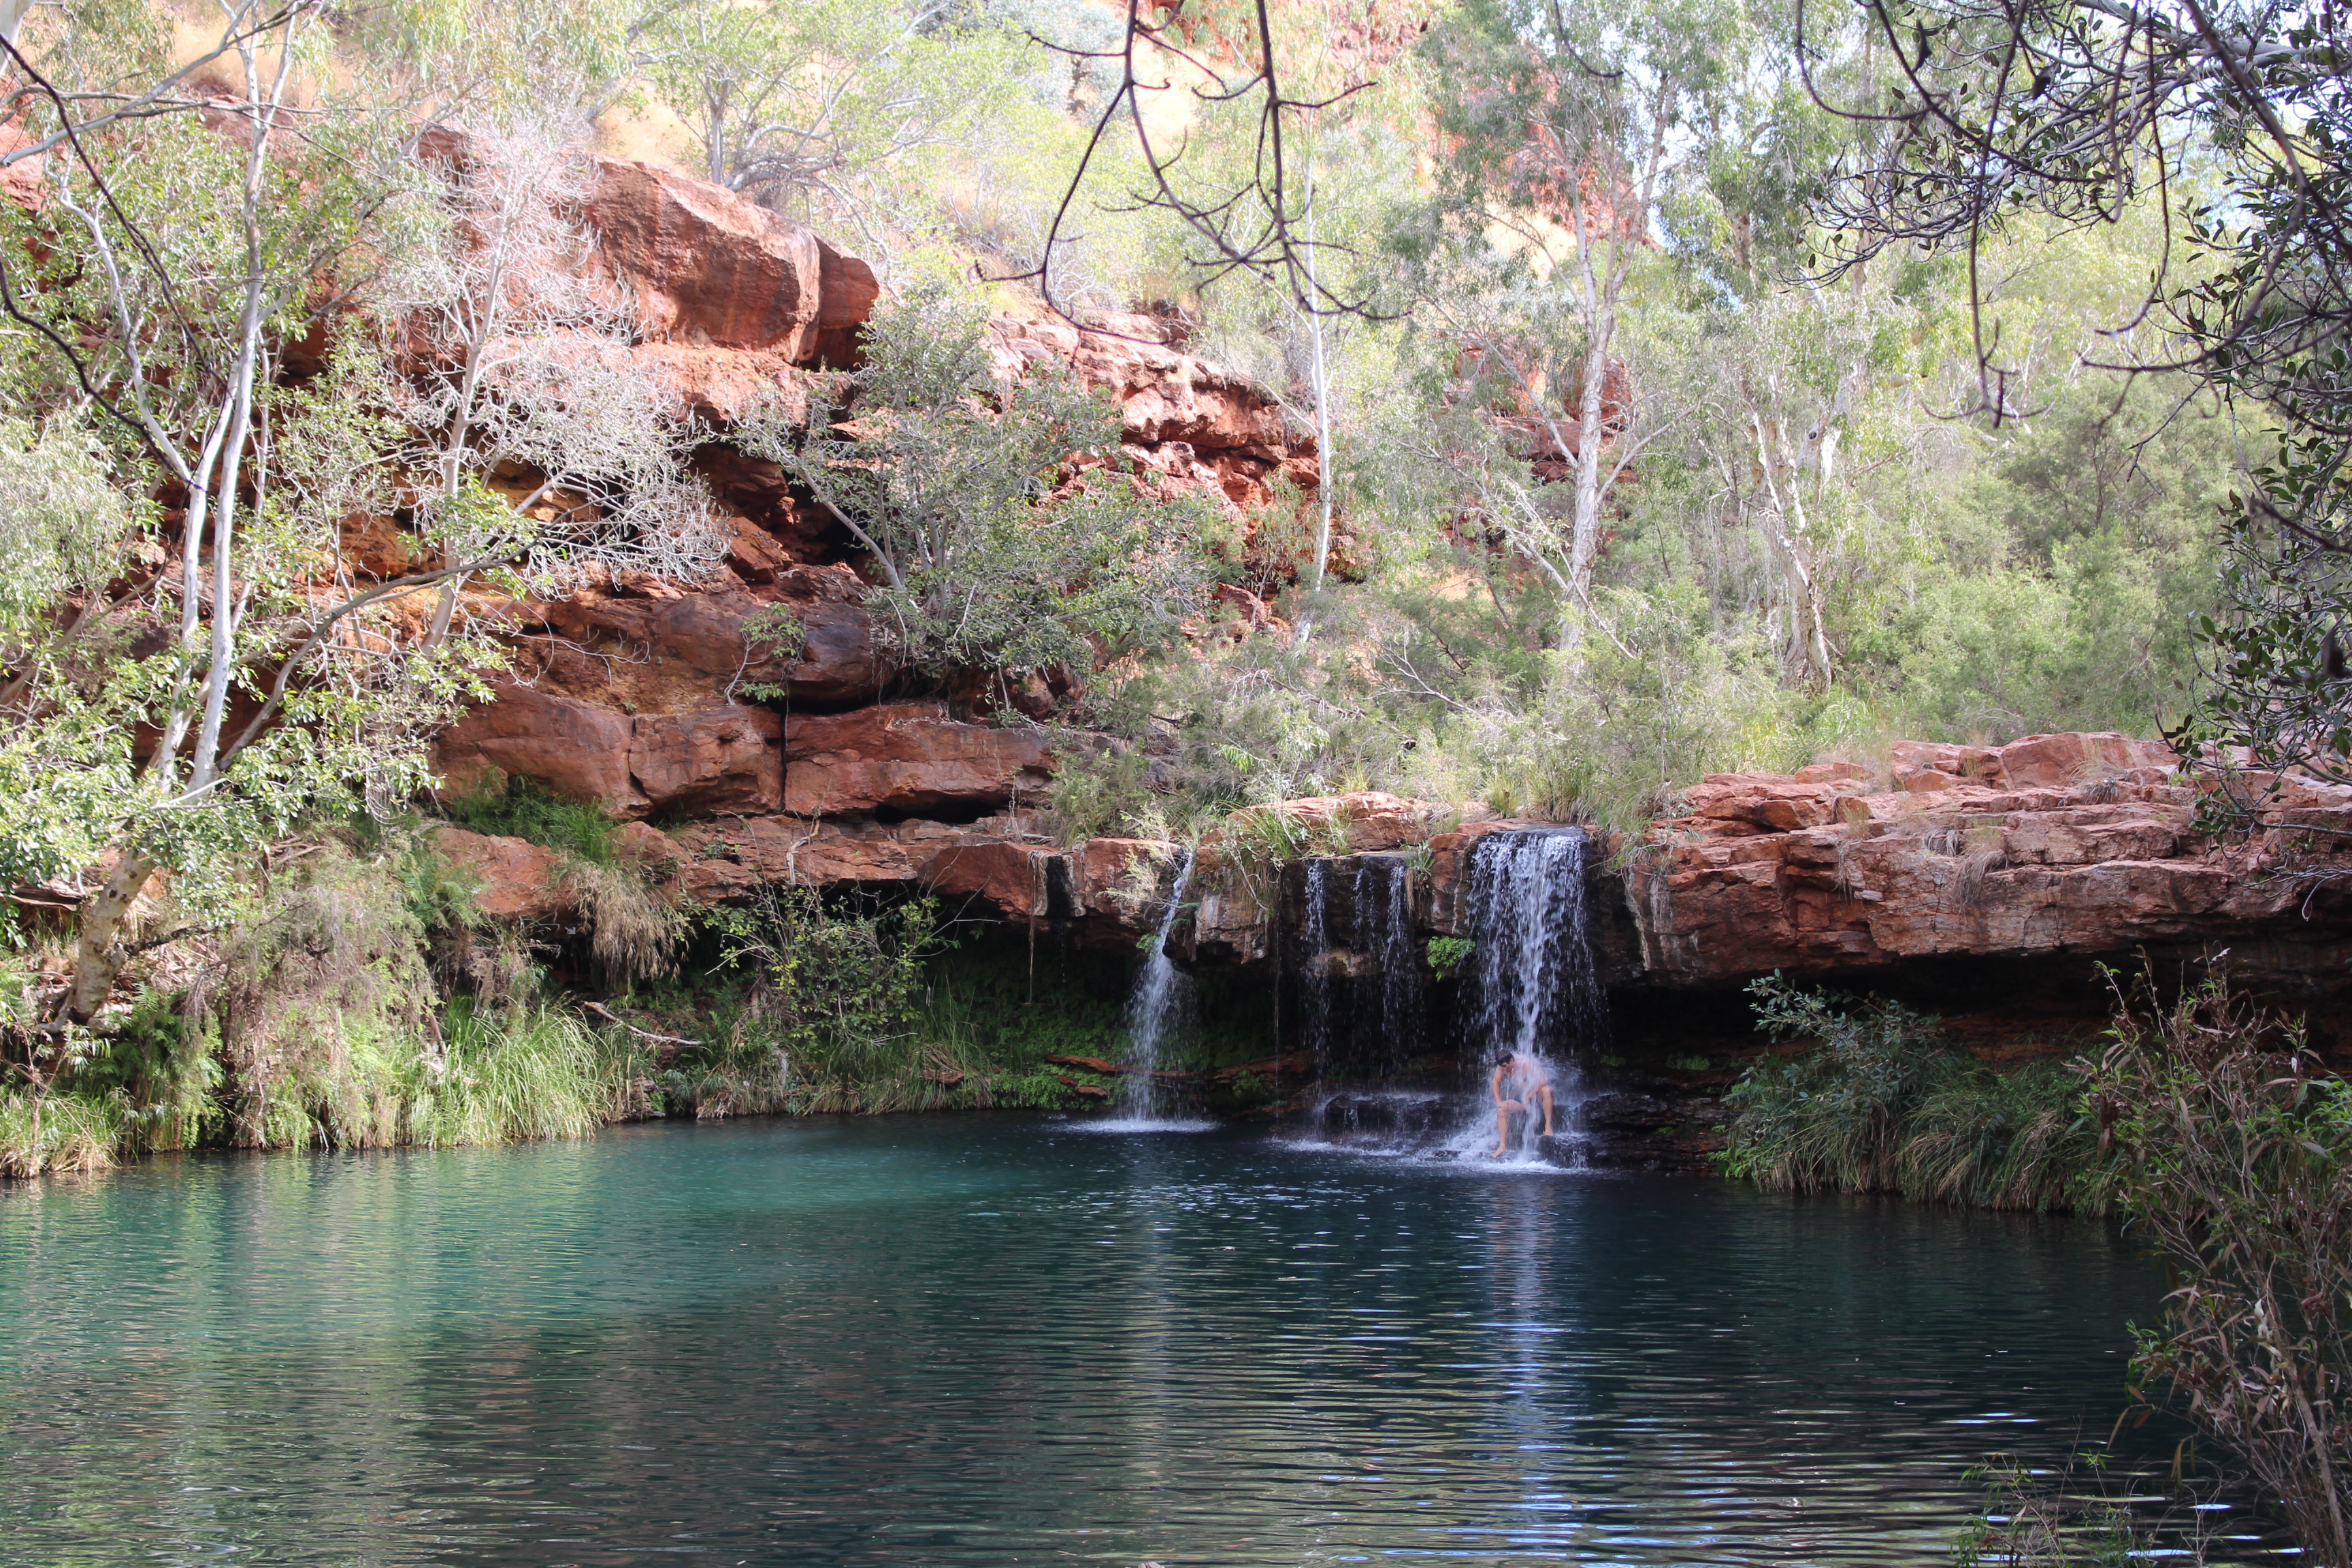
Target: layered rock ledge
[(2077, 848)]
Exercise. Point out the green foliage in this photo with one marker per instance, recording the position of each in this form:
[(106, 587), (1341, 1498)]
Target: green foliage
[(993, 557), (161, 1074), (1448, 954), (507, 1074), (1253, 1091), (2233, 1158), (845, 982), (775, 632), (1103, 791), (525, 808), (1876, 1105)]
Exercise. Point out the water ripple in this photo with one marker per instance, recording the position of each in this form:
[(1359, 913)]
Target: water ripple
[(977, 1342)]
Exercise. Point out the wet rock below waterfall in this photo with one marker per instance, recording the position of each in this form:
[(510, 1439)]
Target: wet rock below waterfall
[(1401, 1117)]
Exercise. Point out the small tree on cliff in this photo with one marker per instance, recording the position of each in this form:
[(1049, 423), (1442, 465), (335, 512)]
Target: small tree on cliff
[(1004, 534)]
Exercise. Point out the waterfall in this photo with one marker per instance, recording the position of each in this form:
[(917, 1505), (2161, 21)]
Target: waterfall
[(1157, 1004), (1384, 935), (1532, 985), (1529, 986), (1315, 954)]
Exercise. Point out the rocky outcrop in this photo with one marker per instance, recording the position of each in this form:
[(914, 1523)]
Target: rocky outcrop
[(909, 758), (703, 269), (1186, 425), (724, 757), (2056, 846), (512, 880), (2061, 848), (679, 654), (655, 697)]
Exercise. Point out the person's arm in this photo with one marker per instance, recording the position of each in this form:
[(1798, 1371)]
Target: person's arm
[(1495, 1084)]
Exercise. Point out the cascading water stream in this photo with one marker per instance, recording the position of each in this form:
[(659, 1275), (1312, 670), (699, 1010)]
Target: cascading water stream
[(1531, 989), (1155, 1008), (1531, 983), (1384, 933), (1315, 951)]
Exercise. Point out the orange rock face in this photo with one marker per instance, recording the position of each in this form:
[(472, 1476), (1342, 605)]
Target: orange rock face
[(514, 881), (907, 757), (2054, 845), (718, 759), (572, 747), (706, 268), (681, 655)]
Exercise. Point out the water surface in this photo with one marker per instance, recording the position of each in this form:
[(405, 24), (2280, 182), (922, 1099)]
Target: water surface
[(971, 1341)]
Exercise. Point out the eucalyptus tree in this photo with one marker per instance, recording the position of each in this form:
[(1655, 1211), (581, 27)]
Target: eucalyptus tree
[(2229, 118), (1571, 130), (513, 358), (819, 105)]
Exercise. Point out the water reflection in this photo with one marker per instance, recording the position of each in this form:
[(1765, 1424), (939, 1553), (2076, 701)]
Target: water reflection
[(965, 1341)]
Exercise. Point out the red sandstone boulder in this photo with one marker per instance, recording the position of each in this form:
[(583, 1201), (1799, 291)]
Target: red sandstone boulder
[(2071, 758), (731, 859), (1922, 767), (515, 880), (1165, 396), (681, 655), (704, 266), (1120, 878), (1773, 802), (572, 747), (722, 760), (719, 759), (649, 850), (909, 757), (1008, 877), (2055, 845)]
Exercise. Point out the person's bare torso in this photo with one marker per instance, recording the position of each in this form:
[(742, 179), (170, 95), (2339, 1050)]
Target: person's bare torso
[(1521, 1077)]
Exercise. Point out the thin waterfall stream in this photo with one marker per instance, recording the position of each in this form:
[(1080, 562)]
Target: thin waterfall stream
[(1384, 935), (1155, 1013), (1315, 950)]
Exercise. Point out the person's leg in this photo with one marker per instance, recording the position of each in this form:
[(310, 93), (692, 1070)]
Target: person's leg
[(1503, 1109), (1546, 1092)]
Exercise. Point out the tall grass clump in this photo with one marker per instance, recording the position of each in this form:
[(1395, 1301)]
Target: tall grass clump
[(314, 1004), (62, 1132), (633, 934), (505, 1076), (527, 809), (1878, 1105)]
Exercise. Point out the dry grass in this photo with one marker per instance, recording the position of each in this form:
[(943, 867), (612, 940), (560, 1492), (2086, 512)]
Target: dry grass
[(633, 934), (63, 1132)]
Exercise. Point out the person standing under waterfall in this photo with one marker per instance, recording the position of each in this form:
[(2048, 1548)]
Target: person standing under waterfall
[(1528, 1082)]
